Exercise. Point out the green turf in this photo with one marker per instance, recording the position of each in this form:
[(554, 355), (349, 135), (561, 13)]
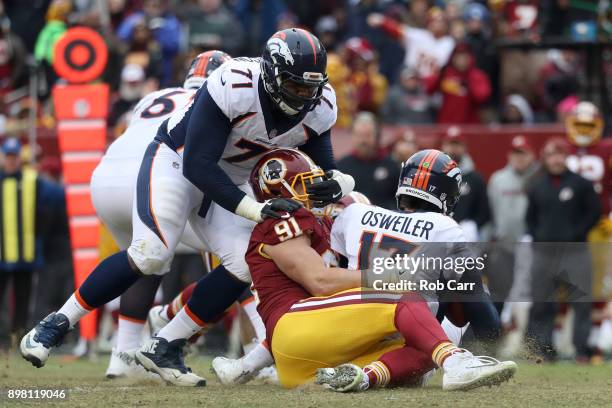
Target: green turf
[(561, 385)]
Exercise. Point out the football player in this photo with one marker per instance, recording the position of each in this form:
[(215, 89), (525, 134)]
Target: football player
[(241, 370), (112, 189), (343, 324), (196, 170), (591, 157)]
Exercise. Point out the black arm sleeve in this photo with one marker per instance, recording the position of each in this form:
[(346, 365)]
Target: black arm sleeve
[(206, 136), (319, 148)]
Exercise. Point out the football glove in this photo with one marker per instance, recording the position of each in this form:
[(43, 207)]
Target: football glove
[(331, 190), (257, 212)]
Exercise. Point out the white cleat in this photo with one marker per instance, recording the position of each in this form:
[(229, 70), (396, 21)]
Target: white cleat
[(156, 319), (123, 365), (344, 378), (36, 345), (166, 360), (231, 371), (466, 371)]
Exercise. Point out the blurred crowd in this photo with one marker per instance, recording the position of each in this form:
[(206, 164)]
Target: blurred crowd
[(406, 61)]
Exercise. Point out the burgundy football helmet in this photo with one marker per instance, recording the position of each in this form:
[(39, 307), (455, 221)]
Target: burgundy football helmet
[(285, 173)]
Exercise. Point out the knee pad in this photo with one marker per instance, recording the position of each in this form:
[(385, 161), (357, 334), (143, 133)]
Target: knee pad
[(151, 257)]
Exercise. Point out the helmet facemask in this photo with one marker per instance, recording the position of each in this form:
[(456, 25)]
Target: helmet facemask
[(279, 87), (295, 188)]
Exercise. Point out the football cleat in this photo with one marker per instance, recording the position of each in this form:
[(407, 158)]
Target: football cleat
[(344, 378), (166, 360), (231, 371), (464, 371), (268, 375), (36, 345), (123, 365), (156, 319)]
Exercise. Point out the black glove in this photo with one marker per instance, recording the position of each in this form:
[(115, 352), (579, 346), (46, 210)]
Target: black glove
[(324, 192), (272, 207)]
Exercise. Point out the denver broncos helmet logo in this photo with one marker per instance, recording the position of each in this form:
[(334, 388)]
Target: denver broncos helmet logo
[(279, 48)]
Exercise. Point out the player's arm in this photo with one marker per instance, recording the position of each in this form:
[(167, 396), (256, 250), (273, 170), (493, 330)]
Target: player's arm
[(300, 262), (319, 148), (206, 136)]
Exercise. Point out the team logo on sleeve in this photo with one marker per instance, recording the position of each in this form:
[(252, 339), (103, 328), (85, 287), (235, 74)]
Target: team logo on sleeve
[(279, 48), (273, 171)]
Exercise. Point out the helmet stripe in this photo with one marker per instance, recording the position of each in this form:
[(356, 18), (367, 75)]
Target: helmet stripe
[(431, 163), (417, 175), (423, 170), (201, 67), (312, 44)]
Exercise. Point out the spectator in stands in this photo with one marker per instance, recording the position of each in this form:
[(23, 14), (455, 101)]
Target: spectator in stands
[(212, 26), (57, 16), (327, 32), (33, 198), (407, 102), (370, 86), (479, 36), (508, 204), (517, 110), (259, 19), (464, 87), (428, 50), (339, 76), (13, 72), (375, 173), (472, 210), (520, 19), (130, 91), (145, 51), (557, 81), (562, 208), (165, 29)]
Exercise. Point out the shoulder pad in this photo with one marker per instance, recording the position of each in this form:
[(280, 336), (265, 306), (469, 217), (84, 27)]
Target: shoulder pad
[(233, 86), (323, 116)]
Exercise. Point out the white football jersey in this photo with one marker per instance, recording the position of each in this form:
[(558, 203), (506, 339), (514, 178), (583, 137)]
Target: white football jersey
[(361, 227), (237, 90), (147, 115), (425, 53)]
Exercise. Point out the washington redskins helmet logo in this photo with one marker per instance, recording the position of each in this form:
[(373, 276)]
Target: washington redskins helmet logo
[(273, 171)]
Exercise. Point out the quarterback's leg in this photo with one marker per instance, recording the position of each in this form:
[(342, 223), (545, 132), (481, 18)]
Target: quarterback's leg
[(164, 198)]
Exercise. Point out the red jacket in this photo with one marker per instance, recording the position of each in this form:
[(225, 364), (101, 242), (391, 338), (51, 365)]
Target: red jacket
[(462, 92)]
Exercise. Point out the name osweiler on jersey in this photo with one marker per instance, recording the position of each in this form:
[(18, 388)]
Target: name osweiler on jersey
[(233, 120), (429, 180)]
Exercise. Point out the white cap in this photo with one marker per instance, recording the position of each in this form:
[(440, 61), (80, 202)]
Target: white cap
[(132, 73)]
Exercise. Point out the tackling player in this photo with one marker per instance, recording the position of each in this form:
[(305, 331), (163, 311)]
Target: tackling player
[(344, 324)]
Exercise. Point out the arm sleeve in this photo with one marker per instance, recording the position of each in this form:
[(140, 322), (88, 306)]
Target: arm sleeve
[(319, 148), (207, 134)]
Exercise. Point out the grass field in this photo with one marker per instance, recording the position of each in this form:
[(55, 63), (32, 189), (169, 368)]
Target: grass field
[(561, 385)]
